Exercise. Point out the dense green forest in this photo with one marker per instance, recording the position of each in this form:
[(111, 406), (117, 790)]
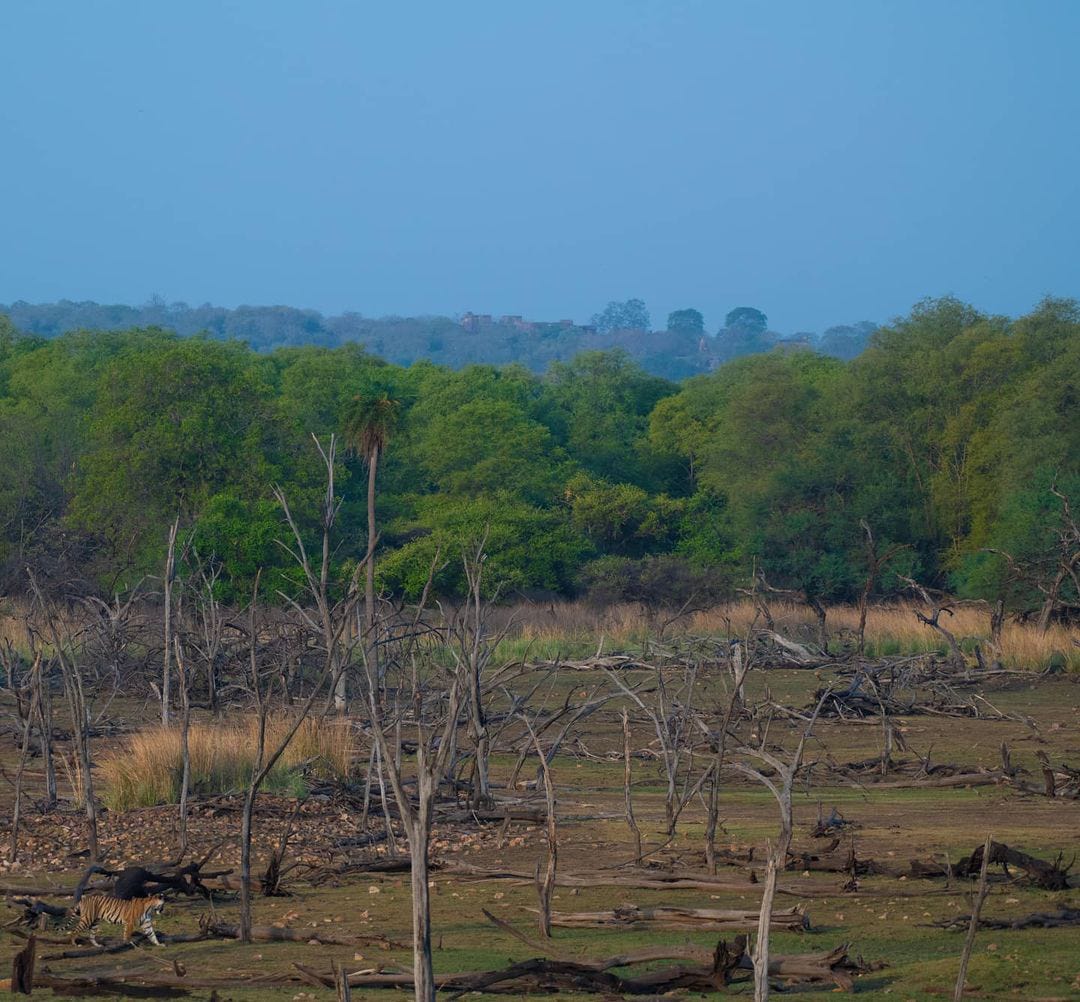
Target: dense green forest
[(686, 346), (955, 436)]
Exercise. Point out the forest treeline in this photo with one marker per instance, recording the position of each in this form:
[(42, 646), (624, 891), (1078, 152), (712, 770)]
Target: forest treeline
[(954, 438), (687, 345)]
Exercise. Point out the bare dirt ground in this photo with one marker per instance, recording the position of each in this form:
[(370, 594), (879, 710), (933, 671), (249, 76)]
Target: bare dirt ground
[(888, 918)]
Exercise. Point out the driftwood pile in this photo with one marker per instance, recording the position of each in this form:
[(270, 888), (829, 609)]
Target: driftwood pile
[(697, 970)]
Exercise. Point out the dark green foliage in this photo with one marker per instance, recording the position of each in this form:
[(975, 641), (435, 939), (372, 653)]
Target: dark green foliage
[(686, 320), (628, 316), (660, 582), (748, 319), (949, 435)]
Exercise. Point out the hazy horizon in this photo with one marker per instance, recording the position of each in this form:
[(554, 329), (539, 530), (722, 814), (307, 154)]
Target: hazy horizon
[(827, 164)]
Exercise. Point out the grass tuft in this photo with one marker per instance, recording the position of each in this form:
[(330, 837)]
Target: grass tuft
[(147, 771)]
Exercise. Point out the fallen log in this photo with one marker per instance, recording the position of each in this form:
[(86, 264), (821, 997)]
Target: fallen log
[(672, 917), (1036, 920), (44, 891), (97, 951), (1048, 876), (835, 860), (132, 985)]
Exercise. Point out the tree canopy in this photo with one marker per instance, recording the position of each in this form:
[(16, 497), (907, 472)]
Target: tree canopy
[(955, 435)]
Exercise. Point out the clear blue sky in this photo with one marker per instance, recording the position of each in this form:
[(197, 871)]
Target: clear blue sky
[(824, 161)]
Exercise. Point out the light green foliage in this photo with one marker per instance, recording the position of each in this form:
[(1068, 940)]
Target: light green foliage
[(173, 424), (621, 518), (945, 435), (489, 445), (529, 548)]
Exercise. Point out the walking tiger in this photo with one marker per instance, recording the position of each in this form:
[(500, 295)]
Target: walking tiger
[(136, 913)]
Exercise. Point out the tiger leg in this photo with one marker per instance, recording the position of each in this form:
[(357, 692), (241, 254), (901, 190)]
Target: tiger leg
[(147, 929), (86, 929)]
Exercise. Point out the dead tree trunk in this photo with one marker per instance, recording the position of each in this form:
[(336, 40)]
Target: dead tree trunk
[(672, 721), (969, 941), (739, 668), (419, 832), (780, 785), (371, 648), (210, 623), (185, 750), (24, 752), (472, 647), (545, 885), (875, 563), (417, 818), (631, 822), (45, 735), (436, 721), (264, 763), (170, 574)]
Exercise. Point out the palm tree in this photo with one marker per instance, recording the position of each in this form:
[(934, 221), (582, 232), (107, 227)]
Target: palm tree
[(369, 423)]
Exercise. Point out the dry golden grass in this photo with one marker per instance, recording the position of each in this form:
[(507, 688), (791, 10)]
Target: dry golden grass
[(148, 769), (13, 623), (543, 630), (890, 629)]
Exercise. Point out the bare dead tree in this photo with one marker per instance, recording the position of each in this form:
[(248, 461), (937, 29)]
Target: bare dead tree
[(672, 719), (756, 596), (110, 632), (780, 786), (262, 683), (331, 616), (739, 669), (472, 647), (78, 708), (1050, 575), (27, 724), (210, 624), (937, 605), (44, 716), (433, 747), (10, 660), (803, 597), (1068, 563), (875, 564), (167, 589), (428, 699)]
